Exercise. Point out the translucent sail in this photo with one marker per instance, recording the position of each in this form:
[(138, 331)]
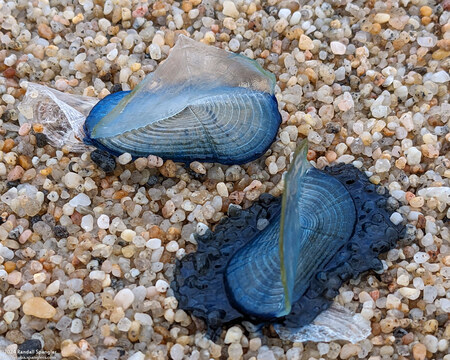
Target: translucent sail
[(336, 323), (276, 268), (62, 115), (318, 217), (190, 73)]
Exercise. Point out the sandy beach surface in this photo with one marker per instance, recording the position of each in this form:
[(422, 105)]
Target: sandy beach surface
[(86, 258)]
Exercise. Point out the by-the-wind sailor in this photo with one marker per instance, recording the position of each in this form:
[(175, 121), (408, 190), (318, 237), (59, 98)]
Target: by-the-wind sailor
[(202, 103), (329, 227)]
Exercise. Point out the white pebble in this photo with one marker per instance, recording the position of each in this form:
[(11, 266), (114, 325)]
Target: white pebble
[(125, 158), (430, 294), (222, 189), (87, 223), (323, 348), (112, 54), (234, 44), (10, 60), (177, 352), (413, 156), (104, 24), (72, 180), (178, 19), (409, 293), (347, 296), (273, 168), (9, 99), (53, 196), (52, 288), (396, 218), (97, 275), (284, 13), (161, 286), (427, 240), (202, 228), (229, 9), (127, 234), (103, 221), (418, 283), (4, 274), (76, 327), (346, 159), (445, 304), (124, 298), (379, 111), (233, 335), (75, 301), (144, 319), (75, 284), (11, 303), (440, 77), (124, 75), (295, 18), (285, 138), (124, 324), (426, 41), (193, 13), (403, 280), (80, 200), (155, 51), (382, 165), (421, 257), (153, 244), (137, 356), (431, 342), (443, 346), (338, 48), (172, 246), (134, 272)]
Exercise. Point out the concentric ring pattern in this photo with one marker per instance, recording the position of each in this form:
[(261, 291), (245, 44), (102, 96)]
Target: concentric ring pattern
[(202, 103), (274, 270), (318, 222), (253, 276), (234, 125)]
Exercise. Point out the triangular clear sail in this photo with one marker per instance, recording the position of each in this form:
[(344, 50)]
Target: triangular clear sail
[(191, 72), (275, 269)]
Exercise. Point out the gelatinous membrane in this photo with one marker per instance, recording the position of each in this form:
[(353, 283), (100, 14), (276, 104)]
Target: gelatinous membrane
[(331, 226), (62, 115), (202, 103)]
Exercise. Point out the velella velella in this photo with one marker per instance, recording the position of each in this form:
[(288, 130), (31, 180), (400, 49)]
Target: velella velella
[(330, 226), (202, 103)]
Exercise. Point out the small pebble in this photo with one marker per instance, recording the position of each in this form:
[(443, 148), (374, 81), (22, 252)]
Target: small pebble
[(128, 235), (338, 48), (80, 200), (103, 221), (124, 298), (88, 241), (162, 286), (177, 352), (104, 160), (73, 180), (229, 9), (124, 159), (233, 335), (39, 308)]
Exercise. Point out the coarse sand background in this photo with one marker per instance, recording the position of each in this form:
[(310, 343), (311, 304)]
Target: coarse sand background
[(86, 258)]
